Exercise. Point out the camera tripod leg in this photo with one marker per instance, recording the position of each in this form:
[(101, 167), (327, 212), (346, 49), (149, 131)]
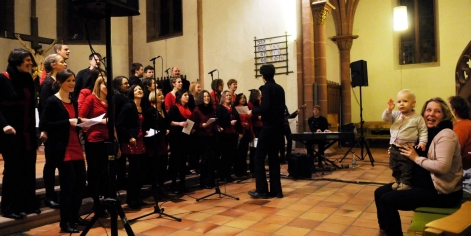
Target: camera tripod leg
[(114, 209)]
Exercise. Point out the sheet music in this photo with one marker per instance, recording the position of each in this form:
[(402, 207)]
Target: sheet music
[(151, 132), (92, 121), (242, 110), (189, 127), (210, 121)]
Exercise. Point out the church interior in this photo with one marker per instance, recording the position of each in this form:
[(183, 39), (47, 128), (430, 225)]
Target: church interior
[(312, 43)]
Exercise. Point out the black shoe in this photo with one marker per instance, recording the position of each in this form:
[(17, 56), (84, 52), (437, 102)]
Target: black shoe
[(51, 203), (142, 203), (134, 205), (258, 195), (277, 195), (68, 229), (16, 216), (81, 221), (206, 186), (102, 214), (34, 211)]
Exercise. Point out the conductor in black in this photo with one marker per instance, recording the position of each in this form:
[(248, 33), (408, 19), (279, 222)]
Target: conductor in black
[(270, 137)]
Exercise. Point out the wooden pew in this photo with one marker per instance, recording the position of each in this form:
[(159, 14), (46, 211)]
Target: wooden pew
[(458, 223)]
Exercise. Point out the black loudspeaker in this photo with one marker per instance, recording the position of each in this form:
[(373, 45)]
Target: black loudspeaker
[(359, 72), (300, 165), (97, 8)]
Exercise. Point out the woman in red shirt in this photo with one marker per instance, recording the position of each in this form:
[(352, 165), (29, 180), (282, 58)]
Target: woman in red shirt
[(204, 138), (59, 119), (170, 98), (230, 131), (131, 135), (96, 148), (179, 141), (254, 102), (240, 165)]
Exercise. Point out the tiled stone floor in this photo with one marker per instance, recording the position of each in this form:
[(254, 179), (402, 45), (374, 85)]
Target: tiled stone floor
[(336, 203)]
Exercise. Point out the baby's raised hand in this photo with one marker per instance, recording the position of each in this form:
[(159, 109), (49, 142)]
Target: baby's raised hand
[(391, 105)]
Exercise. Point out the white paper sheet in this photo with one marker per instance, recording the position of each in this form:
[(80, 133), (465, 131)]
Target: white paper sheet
[(189, 127), (242, 110), (151, 132), (92, 121), (211, 120)]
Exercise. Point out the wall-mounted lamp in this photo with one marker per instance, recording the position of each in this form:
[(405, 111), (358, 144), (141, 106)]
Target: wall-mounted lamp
[(400, 18)]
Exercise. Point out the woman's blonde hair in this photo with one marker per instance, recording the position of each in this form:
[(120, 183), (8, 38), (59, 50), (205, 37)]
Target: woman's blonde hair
[(152, 97), (223, 97), (193, 88), (447, 114), (96, 88)]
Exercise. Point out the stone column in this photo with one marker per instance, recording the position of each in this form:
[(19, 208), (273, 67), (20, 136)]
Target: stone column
[(305, 65), (344, 43), (199, 10), (320, 9)]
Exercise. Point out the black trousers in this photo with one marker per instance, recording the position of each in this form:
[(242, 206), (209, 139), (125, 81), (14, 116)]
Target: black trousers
[(135, 177), (208, 160), (19, 179), (253, 150), (268, 143), (389, 201), (98, 173), (179, 147), (72, 181), (49, 173), (289, 143), (320, 151), (228, 154), (240, 163)]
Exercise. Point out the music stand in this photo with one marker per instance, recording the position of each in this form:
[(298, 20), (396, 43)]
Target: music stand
[(361, 140), (217, 191)]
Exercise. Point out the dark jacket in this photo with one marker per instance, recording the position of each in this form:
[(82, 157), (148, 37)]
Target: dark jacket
[(317, 123), (17, 102), (135, 80), (224, 120), (273, 105), (152, 119), (127, 122), (47, 89), (80, 81), (200, 115), (55, 121)]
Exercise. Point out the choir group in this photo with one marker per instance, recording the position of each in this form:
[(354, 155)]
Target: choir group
[(160, 136)]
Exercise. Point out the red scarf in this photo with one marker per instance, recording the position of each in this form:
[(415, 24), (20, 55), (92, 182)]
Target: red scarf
[(184, 110)]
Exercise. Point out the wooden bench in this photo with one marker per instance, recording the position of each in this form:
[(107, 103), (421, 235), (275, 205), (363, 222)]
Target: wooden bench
[(458, 223), (442, 221)]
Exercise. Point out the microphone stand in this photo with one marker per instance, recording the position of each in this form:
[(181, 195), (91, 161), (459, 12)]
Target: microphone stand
[(217, 190), (211, 73), (157, 209), (111, 203)]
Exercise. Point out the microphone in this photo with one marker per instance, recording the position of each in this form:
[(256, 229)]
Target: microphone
[(153, 58), (212, 71), (166, 71)]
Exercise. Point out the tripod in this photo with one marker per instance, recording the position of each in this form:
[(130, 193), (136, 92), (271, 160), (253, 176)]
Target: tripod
[(217, 191), (111, 204), (361, 140), (157, 210)]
